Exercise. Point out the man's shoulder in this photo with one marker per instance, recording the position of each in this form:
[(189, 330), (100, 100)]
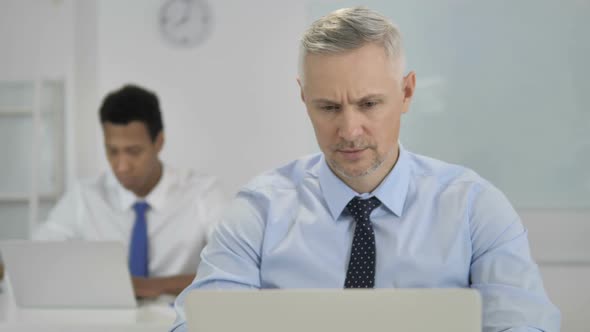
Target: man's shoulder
[(89, 190), (187, 177), (443, 173), (459, 183), (97, 183), (187, 184), (286, 177)]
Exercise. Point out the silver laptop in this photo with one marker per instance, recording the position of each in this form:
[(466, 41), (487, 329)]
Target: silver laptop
[(379, 310), (70, 274)]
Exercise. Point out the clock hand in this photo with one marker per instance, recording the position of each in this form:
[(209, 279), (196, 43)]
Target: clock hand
[(186, 13)]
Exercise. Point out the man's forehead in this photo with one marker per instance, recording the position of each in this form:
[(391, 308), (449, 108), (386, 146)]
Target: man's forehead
[(348, 85), (132, 134), (133, 128), (368, 64), (372, 50)]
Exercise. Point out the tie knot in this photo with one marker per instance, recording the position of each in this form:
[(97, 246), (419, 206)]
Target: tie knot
[(140, 207), (361, 208)]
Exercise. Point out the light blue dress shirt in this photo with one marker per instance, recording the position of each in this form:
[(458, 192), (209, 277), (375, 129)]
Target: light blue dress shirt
[(439, 225)]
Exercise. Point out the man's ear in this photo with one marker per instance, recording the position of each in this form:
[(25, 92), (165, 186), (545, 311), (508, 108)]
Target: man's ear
[(159, 141), (409, 86), (301, 89)]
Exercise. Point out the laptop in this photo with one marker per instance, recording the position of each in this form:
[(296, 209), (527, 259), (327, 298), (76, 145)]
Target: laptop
[(378, 310), (69, 274)]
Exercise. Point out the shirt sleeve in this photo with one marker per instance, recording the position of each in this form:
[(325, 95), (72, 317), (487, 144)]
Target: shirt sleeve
[(231, 258), (63, 222), (503, 270)]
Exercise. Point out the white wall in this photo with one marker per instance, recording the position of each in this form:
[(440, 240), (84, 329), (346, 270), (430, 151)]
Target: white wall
[(83, 90), (231, 106), (36, 38)]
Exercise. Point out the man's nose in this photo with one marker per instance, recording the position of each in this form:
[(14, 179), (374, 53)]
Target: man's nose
[(351, 124), (122, 165)]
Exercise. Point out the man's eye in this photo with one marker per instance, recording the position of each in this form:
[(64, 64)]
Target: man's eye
[(369, 104), (329, 108), (134, 152)]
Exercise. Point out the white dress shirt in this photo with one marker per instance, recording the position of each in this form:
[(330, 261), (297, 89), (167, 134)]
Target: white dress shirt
[(183, 208)]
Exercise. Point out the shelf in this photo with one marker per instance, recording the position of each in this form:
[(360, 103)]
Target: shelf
[(18, 110), (8, 111), (32, 130), (24, 197)]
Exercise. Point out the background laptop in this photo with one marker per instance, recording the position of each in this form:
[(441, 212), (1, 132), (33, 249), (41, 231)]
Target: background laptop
[(70, 274), (415, 310)]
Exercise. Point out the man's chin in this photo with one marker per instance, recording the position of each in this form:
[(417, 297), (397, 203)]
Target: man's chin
[(129, 185), (355, 170), (357, 174), (352, 173)]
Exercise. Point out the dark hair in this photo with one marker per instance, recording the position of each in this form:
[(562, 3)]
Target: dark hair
[(133, 103)]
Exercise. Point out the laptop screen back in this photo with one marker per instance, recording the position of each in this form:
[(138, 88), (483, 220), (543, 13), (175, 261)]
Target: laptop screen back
[(417, 310), (70, 274)]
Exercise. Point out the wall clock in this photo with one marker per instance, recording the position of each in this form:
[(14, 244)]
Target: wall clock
[(185, 23)]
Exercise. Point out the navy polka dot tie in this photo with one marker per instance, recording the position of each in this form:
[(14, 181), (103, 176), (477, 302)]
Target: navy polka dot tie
[(361, 267)]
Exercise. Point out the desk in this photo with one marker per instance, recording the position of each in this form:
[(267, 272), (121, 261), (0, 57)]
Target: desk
[(149, 316)]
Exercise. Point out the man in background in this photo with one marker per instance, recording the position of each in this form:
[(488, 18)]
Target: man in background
[(367, 213), (162, 214)]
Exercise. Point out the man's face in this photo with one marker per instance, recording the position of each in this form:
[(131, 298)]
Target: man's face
[(133, 155), (355, 101)]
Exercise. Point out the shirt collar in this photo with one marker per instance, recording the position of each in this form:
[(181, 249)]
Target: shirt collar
[(392, 191), (156, 198)]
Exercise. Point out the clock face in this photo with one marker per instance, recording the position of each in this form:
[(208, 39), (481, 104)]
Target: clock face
[(185, 23)]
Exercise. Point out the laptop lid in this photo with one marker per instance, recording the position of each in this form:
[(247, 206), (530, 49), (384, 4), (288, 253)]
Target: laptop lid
[(69, 274), (378, 310)]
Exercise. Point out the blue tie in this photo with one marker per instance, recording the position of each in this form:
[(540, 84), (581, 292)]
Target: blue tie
[(138, 248)]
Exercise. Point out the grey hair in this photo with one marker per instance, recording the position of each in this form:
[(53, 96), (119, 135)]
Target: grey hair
[(348, 29)]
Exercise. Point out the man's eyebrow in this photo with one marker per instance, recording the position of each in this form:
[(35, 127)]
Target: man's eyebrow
[(323, 101), (370, 96), (358, 101)]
